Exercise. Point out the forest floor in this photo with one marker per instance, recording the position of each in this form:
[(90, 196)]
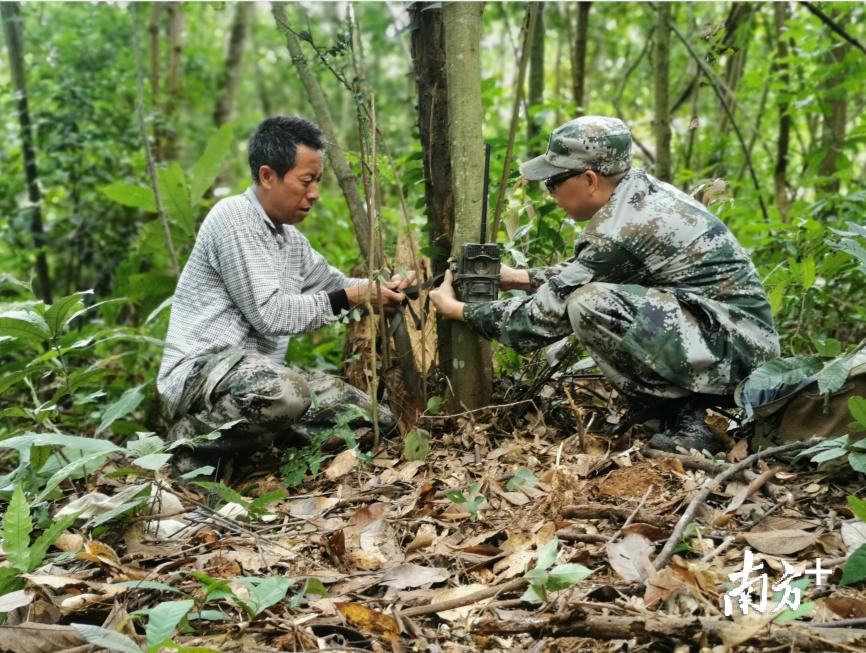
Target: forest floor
[(431, 555)]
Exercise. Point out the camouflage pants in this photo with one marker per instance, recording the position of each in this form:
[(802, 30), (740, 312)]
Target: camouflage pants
[(271, 400), (646, 343)]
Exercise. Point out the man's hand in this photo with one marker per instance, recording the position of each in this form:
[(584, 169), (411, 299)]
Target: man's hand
[(399, 281), (513, 279), (390, 298), (445, 300)]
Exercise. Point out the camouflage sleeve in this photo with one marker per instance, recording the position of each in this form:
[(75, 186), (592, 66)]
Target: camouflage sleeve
[(540, 276), (531, 322)]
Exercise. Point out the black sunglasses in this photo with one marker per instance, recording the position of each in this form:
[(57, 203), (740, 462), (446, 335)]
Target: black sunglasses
[(552, 182)]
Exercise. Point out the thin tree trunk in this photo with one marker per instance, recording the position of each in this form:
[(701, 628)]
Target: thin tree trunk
[(662, 106), (579, 63), (342, 170), (13, 29), (228, 86), (536, 76), (472, 372), (153, 28), (834, 113), (783, 106), (428, 59), (175, 40)]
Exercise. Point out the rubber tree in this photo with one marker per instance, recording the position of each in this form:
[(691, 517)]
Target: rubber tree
[(471, 376)]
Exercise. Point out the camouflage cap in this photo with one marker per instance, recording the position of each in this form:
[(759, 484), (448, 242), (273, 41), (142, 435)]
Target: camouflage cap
[(586, 143)]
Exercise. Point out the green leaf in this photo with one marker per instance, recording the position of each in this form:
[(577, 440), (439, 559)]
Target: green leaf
[(858, 507), (56, 314), (455, 496), (152, 461), (208, 166), (27, 440), (547, 555), (70, 469), (434, 405), (17, 526), (834, 375), (127, 403), (776, 297), (784, 371), (416, 445), (564, 576), (138, 197), (163, 619), (24, 324), (855, 567), (175, 196), (807, 272), (858, 463), (259, 504), (49, 537), (224, 492), (110, 639), (523, 477), (857, 406), (830, 454), (267, 592), (311, 586), (534, 594)]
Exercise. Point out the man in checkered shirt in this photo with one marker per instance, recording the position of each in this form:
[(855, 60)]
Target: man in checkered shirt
[(251, 282)]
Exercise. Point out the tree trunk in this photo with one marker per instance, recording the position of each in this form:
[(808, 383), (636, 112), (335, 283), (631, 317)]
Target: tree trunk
[(13, 29), (153, 28), (175, 40), (662, 107), (834, 113), (342, 170), (227, 89), (783, 105), (579, 64), (536, 77), (472, 371), (428, 60)]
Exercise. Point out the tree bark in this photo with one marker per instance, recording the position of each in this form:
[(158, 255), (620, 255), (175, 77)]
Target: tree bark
[(535, 94), (579, 63), (472, 371), (783, 106), (153, 28), (428, 60), (834, 114), (175, 40), (14, 32), (227, 89), (662, 106), (345, 177)]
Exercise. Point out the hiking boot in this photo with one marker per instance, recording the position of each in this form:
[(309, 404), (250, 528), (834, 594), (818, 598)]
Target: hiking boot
[(687, 430)]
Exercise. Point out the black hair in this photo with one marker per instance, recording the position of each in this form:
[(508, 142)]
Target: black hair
[(275, 143)]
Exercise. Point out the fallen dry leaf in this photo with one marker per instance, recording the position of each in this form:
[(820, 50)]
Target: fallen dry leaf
[(626, 556), (783, 542), (456, 614), (311, 507), (342, 464), (412, 575), (370, 622)]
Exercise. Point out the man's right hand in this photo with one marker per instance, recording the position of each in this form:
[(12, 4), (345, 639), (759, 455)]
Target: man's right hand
[(513, 279), (390, 299)]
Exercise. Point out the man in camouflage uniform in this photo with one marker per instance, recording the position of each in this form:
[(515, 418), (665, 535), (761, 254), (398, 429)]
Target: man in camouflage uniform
[(252, 281), (658, 290)]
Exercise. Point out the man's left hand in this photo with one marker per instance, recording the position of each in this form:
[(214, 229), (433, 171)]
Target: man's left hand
[(445, 299), (398, 281)]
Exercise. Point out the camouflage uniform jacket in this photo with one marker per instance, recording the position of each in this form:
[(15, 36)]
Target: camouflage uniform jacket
[(649, 234)]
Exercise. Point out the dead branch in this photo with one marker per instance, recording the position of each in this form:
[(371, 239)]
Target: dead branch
[(709, 485)]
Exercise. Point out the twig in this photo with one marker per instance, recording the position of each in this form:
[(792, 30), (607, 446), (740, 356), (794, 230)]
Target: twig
[(603, 511), (709, 485), (532, 18), (829, 22), (480, 410), (151, 167), (469, 599), (632, 515)]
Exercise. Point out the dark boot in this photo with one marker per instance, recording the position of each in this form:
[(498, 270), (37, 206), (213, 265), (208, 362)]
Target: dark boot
[(687, 430)]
